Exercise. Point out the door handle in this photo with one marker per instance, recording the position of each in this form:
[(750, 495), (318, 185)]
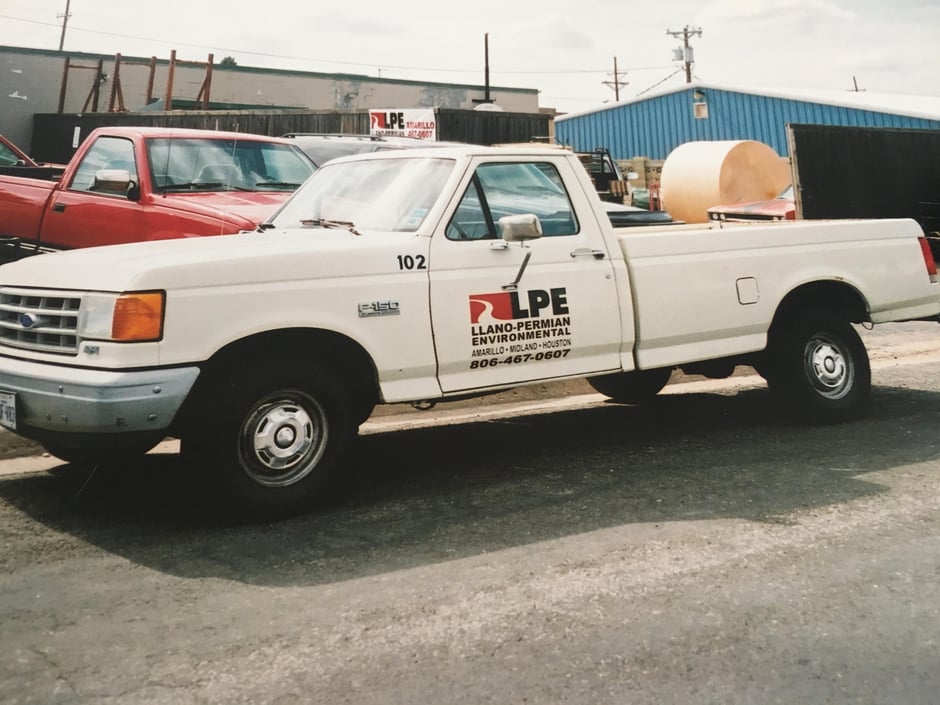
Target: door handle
[(58, 207), (499, 245), (588, 252)]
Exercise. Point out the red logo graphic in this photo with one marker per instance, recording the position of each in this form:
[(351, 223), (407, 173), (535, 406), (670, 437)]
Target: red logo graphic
[(498, 306), (377, 120)]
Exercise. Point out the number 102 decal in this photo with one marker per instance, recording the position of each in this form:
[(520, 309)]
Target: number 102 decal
[(406, 262)]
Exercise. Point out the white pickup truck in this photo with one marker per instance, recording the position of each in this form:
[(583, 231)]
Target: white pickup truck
[(422, 275)]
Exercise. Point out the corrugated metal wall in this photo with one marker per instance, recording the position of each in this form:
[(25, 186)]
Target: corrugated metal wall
[(653, 128), (53, 134)]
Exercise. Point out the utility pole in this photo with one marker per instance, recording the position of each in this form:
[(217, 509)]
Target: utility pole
[(65, 21), (685, 53), (486, 71), (616, 83), (855, 88)]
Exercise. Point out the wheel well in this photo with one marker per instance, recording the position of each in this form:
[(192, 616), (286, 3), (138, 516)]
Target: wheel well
[(837, 297), (320, 347)]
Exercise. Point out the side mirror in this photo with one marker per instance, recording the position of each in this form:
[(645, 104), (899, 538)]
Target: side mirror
[(117, 182), (518, 228)]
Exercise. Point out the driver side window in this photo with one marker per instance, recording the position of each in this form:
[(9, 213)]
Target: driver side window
[(471, 221), (105, 153), (497, 190)]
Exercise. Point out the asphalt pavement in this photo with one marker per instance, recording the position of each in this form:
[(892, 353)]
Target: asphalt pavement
[(546, 549)]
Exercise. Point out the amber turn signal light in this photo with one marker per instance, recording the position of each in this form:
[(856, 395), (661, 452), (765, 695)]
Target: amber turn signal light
[(138, 316)]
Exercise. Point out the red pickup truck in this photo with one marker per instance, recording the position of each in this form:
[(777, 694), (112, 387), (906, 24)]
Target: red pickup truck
[(126, 184)]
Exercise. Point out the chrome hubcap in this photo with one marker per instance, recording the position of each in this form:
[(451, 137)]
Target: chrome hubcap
[(828, 368), (283, 439)]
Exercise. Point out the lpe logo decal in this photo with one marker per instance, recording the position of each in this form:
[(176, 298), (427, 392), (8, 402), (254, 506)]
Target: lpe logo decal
[(505, 305), (517, 322)]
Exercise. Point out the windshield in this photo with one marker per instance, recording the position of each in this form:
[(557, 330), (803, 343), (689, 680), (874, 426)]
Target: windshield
[(198, 164), (392, 195)]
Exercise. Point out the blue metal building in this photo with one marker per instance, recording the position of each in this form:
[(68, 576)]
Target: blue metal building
[(653, 125)]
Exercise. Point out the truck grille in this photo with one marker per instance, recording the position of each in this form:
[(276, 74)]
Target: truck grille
[(39, 320)]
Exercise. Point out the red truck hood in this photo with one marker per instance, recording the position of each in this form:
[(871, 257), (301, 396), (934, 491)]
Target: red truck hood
[(254, 206), (783, 207)]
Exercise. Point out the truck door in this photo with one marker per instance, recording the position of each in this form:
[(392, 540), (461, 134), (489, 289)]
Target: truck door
[(504, 313), (90, 210)]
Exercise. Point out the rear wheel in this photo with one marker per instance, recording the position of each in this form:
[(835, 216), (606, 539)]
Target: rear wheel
[(819, 368), (634, 387), (271, 444)]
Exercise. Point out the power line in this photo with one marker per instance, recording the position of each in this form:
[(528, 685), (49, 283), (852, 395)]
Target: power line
[(514, 72), (659, 83)]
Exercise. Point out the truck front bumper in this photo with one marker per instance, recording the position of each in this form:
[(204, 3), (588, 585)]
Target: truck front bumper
[(56, 400)]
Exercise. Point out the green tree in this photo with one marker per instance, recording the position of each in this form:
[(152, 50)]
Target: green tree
[(227, 63)]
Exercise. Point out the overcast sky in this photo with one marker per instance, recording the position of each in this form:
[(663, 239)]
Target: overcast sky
[(566, 50)]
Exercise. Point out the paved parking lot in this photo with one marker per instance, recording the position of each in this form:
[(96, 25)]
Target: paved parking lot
[(700, 550)]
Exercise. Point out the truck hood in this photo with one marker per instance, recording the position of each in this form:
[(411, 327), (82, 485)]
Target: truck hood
[(253, 206), (241, 259)]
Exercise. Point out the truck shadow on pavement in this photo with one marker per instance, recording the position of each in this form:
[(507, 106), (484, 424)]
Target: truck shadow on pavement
[(425, 496)]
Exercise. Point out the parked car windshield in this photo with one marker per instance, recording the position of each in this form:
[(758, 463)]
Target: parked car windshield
[(391, 195), (197, 164)]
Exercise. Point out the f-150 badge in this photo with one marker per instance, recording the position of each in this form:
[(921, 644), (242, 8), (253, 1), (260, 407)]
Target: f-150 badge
[(379, 308)]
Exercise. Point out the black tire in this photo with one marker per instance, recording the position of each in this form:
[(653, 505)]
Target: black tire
[(362, 411), (635, 387), (270, 442), (819, 369)]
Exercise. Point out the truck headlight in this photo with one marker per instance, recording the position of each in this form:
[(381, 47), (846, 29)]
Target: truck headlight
[(135, 316)]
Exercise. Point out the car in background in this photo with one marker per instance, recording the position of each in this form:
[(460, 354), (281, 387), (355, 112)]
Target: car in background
[(13, 156), (783, 207)]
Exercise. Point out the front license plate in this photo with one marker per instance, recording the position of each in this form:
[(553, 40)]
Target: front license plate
[(8, 410)]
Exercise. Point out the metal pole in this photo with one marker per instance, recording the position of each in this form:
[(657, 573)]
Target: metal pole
[(65, 21), (486, 63)]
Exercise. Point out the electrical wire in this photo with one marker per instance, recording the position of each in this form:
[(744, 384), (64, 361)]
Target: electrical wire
[(242, 51)]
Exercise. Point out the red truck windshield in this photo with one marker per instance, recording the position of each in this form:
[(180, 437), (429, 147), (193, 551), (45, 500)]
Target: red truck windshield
[(196, 164)]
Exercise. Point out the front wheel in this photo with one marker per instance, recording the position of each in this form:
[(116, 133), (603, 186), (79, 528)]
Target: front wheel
[(634, 387), (271, 443), (819, 369)]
